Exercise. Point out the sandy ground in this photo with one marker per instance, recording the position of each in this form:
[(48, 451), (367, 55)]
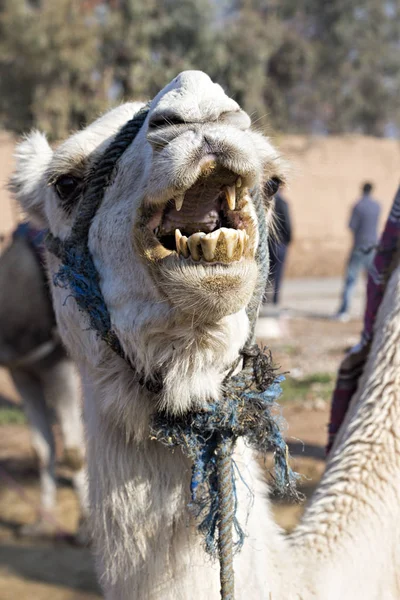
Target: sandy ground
[(324, 182), (55, 569), (52, 569)]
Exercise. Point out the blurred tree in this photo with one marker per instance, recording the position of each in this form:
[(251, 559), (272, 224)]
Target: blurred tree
[(49, 59), (127, 46), (266, 63), (289, 93), (358, 63), (148, 42), (300, 65), (185, 39), (247, 39)]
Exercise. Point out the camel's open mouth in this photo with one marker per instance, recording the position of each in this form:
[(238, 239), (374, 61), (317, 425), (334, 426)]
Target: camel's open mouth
[(211, 222)]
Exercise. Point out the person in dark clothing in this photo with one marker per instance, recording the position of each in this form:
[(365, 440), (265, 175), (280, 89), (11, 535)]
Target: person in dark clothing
[(279, 244)]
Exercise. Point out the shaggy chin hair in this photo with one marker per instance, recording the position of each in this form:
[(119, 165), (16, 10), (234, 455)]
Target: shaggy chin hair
[(208, 294)]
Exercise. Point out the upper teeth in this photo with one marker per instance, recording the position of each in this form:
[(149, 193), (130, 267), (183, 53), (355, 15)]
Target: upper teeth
[(221, 245), (230, 193), (179, 202)]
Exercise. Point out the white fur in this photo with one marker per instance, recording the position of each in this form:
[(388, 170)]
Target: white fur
[(146, 544), (31, 159)]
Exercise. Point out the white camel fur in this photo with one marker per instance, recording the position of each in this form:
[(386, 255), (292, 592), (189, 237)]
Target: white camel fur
[(184, 314)]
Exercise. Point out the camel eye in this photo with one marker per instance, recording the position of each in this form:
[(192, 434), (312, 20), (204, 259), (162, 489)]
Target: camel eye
[(272, 186), (66, 186)]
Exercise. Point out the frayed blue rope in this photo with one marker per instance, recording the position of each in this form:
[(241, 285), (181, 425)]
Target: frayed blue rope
[(78, 273), (245, 410)]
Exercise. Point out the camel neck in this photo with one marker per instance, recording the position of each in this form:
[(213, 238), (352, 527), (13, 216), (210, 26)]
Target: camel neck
[(139, 495)]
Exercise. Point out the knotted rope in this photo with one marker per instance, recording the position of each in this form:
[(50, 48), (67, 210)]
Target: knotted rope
[(208, 437)]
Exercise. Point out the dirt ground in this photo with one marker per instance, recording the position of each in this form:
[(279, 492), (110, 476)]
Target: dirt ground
[(55, 569)]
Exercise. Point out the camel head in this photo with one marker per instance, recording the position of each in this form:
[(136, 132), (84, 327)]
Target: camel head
[(175, 237)]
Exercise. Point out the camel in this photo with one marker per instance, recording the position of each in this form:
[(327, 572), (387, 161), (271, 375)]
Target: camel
[(43, 374), (173, 243)]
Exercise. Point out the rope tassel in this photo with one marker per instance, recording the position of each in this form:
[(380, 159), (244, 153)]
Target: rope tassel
[(208, 437)]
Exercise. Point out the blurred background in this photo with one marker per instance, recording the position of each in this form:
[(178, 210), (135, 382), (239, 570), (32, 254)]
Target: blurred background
[(321, 78)]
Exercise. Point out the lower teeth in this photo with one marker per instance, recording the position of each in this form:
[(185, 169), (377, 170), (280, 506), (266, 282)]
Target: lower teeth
[(221, 245)]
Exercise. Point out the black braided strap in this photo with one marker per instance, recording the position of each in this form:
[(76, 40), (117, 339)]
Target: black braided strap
[(77, 271), (102, 174)]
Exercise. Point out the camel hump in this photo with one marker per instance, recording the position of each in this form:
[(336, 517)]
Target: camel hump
[(26, 314)]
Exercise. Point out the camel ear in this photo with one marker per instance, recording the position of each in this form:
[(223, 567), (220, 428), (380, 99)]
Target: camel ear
[(28, 182)]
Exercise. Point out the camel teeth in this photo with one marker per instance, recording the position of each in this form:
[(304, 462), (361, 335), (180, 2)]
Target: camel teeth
[(239, 182), (178, 237), (184, 250), (231, 239), (209, 244), (241, 240), (194, 245), (212, 246), (230, 194), (179, 202)]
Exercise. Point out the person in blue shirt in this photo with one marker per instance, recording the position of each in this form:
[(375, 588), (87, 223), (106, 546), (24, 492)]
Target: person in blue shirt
[(364, 226)]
